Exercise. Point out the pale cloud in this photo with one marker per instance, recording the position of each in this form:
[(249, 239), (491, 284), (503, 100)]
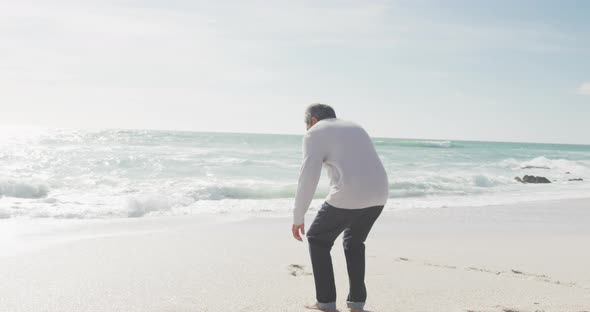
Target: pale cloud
[(176, 63), (584, 88), (182, 44)]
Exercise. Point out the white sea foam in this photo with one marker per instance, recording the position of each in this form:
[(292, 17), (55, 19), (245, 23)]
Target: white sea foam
[(486, 181), (542, 162), (441, 144), (564, 165), (416, 143), (22, 189), (5, 214), (142, 205), (125, 173), (218, 192)]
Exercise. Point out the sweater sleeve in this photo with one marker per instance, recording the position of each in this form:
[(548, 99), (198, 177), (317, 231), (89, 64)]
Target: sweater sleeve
[(309, 176)]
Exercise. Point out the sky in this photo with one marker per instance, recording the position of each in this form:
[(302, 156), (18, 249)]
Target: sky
[(471, 70)]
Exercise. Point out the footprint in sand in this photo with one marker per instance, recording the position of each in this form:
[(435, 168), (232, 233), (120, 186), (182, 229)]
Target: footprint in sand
[(298, 270), (494, 310)]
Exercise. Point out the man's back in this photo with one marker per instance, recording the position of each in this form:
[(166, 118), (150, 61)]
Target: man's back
[(357, 176)]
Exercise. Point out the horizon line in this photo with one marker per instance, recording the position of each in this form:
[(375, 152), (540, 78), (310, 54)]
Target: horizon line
[(288, 134)]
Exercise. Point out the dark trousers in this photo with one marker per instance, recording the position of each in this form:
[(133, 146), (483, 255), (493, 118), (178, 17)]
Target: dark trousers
[(327, 225)]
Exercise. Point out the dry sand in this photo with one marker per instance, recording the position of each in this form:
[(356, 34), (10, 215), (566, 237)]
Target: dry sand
[(527, 257)]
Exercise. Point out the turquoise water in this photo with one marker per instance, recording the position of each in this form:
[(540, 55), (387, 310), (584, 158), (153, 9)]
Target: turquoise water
[(132, 173)]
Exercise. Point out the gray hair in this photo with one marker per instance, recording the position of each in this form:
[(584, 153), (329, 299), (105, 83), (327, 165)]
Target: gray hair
[(319, 111)]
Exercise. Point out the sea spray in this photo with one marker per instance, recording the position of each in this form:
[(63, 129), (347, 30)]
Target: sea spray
[(129, 173)]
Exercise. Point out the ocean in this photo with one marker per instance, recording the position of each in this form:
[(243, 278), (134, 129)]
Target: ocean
[(140, 173)]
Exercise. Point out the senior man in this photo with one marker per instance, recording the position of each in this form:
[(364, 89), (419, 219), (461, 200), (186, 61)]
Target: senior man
[(359, 189)]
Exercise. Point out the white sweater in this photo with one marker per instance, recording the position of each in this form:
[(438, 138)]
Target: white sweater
[(357, 176)]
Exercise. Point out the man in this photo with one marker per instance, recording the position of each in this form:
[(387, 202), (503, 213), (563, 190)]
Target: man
[(359, 189)]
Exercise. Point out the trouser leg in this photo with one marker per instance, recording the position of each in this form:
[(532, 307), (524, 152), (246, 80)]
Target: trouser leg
[(354, 249), (327, 225)]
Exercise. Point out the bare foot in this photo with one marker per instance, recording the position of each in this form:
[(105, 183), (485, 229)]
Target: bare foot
[(316, 307)]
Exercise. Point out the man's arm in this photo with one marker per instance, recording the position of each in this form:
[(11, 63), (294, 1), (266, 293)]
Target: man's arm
[(309, 176)]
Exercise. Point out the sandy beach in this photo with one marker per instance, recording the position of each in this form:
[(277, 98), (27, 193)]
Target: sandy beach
[(524, 257)]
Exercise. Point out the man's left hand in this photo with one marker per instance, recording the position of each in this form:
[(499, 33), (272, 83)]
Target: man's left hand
[(298, 228)]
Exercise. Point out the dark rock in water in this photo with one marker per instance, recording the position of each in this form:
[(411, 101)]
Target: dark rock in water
[(532, 179), (578, 179), (534, 167)]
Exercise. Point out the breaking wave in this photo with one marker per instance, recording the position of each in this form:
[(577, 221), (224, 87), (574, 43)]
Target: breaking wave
[(542, 162), (417, 143), (20, 189)]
